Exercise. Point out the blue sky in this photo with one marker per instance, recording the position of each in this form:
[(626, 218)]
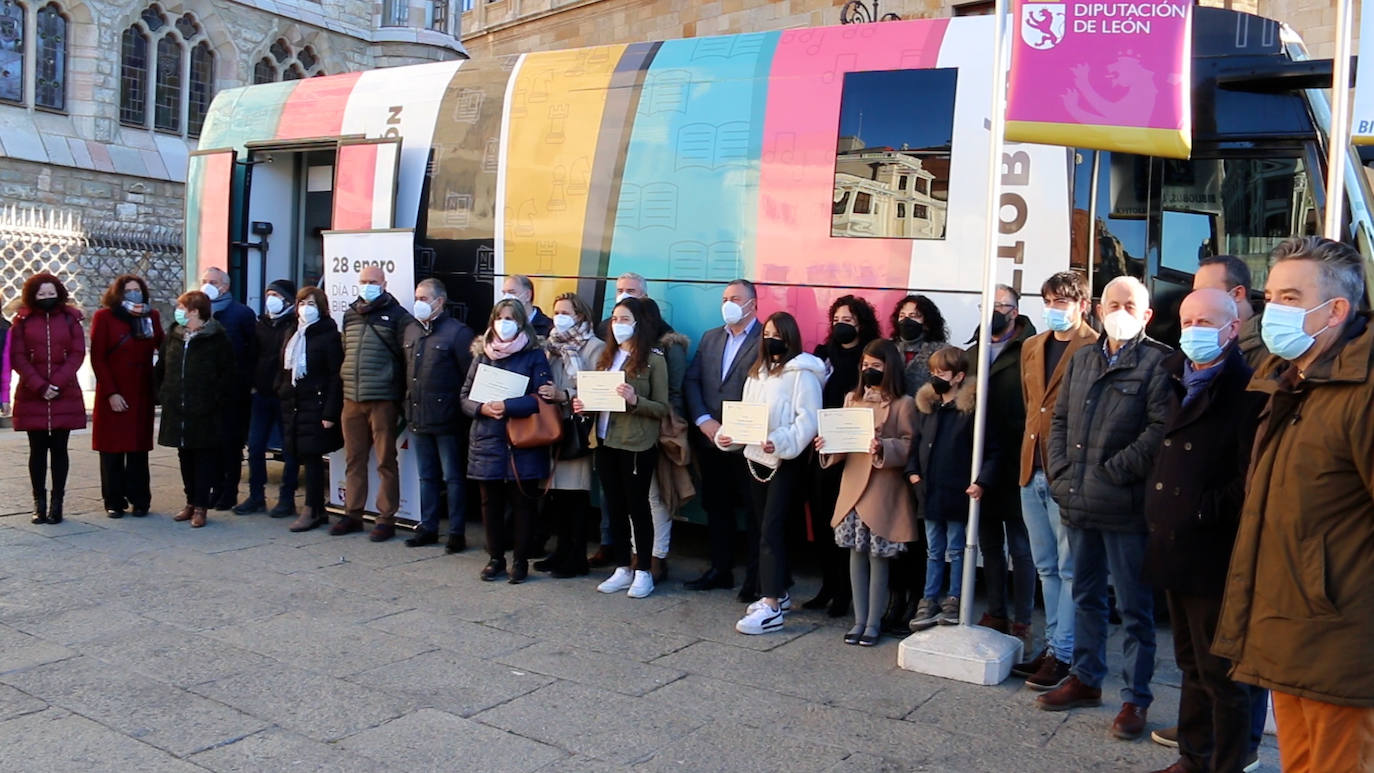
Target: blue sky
[(911, 106)]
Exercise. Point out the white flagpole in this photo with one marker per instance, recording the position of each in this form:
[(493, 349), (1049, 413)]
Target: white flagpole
[(997, 117), (1338, 136)]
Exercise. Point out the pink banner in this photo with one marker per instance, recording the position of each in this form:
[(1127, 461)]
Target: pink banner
[(1102, 75)]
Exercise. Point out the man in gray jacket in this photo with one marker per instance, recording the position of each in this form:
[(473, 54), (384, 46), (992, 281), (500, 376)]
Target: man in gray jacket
[(1106, 431), (373, 377)]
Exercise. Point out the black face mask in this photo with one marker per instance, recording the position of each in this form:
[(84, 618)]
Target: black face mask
[(910, 329), (999, 322), (843, 333), (940, 385), (871, 377), (47, 304), (774, 347)]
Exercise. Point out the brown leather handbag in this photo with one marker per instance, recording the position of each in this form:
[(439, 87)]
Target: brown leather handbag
[(541, 428)]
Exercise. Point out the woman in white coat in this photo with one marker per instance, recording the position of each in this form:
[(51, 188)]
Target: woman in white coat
[(789, 381)]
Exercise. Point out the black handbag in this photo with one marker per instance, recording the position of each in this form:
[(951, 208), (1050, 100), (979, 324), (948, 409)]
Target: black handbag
[(577, 434)]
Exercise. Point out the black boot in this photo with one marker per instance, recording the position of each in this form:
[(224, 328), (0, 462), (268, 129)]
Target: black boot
[(896, 607), (55, 507), (40, 506)]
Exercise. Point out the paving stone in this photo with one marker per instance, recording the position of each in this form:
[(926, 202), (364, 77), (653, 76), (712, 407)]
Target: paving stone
[(115, 543), (19, 650), (443, 630), (277, 749), (595, 723), (151, 711), (14, 703), (705, 700), (451, 682), (173, 655), (722, 747), (57, 740), (591, 668), (301, 638), (860, 762), (579, 629), (1008, 712), (434, 740), (79, 625), (716, 622), (312, 704)]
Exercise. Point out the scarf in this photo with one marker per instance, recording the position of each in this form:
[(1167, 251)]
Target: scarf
[(293, 356), (500, 350), (221, 303), (569, 345), (140, 324)]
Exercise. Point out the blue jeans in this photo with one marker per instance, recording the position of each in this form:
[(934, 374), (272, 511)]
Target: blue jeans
[(1096, 554), (1049, 546), (264, 429), (439, 459), (1259, 713), (944, 540)]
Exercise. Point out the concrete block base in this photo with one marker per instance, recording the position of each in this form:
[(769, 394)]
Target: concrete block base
[(966, 653)]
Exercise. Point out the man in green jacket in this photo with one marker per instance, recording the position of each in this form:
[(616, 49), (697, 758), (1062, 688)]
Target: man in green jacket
[(373, 377)]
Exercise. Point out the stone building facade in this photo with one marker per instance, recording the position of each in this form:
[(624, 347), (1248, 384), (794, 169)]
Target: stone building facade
[(101, 103)]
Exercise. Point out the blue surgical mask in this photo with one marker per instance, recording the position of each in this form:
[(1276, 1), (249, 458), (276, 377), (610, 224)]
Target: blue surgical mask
[(309, 314), (370, 293), (1201, 344), (623, 331), (134, 296), (1057, 320), (180, 316), (421, 310), (1282, 331)]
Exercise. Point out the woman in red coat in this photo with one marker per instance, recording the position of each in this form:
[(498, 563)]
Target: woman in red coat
[(47, 346), (125, 334)]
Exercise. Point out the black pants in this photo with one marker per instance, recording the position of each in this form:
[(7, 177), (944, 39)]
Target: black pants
[(508, 516), (45, 445), (1002, 530), (199, 470), (824, 491), (225, 487), (775, 503), (566, 510), (625, 477), (1213, 711), (314, 483), (124, 480), (724, 488)]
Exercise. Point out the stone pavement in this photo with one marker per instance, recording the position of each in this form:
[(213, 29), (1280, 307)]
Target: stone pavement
[(141, 644)]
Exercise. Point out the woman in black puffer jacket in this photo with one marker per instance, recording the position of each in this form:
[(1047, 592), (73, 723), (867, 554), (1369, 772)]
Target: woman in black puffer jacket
[(311, 394)]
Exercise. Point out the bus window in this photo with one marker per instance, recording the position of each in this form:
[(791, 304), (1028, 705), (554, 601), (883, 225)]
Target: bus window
[(1123, 183)]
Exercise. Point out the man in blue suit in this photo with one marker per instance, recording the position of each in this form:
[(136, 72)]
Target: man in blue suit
[(717, 374)]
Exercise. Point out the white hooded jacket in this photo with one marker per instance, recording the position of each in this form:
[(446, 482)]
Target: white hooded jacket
[(793, 396)]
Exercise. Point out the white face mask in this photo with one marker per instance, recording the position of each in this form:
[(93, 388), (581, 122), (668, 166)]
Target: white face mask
[(623, 331), (275, 304), (1122, 325), (421, 310), (308, 314), (622, 296), (563, 322), (506, 329), (731, 312), (210, 291)]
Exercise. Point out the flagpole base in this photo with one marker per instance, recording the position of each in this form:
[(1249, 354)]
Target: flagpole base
[(966, 653)]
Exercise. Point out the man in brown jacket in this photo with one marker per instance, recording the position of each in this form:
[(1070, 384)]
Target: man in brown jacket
[(1043, 361), (1298, 616)]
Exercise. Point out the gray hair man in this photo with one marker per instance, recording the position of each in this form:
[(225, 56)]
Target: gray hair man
[(240, 324), (520, 288)]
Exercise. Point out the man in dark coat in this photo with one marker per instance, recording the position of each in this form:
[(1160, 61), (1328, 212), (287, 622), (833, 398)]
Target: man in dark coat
[(717, 374), (438, 355), (1106, 431), (1193, 500), (239, 324), (276, 323), (519, 287), (373, 377), (1001, 529)]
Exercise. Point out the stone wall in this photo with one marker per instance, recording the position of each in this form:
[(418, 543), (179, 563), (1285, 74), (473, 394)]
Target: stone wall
[(107, 201)]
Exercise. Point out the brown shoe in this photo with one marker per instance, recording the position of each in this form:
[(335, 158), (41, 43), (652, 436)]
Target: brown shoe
[(1072, 694), (998, 624), (1051, 674), (382, 532), (197, 518), (1022, 631), (1130, 722), (659, 569), (346, 525), (601, 558), (185, 514), (306, 521)]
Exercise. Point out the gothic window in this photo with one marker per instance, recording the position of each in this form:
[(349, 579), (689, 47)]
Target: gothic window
[(51, 81), (11, 51), (280, 50), (265, 71), (167, 112), (202, 87), (133, 77), (293, 73), (307, 58), (284, 62)]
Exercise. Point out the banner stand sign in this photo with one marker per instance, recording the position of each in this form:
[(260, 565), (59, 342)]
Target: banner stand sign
[(346, 254), (1111, 76)]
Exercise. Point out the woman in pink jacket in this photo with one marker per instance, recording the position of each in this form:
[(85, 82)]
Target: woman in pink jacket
[(47, 346)]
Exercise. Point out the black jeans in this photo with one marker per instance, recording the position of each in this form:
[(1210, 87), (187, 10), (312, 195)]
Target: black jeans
[(1213, 711), (500, 497), (314, 483), (567, 510), (724, 487), (775, 503), (625, 478), (200, 468), (124, 480), (44, 445), (1003, 527), (224, 487)]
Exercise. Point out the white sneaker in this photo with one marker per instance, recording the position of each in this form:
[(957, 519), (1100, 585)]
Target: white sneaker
[(784, 604), (642, 586), (617, 582), (763, 619)]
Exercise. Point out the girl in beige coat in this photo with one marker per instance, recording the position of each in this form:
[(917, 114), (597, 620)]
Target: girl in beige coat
[(874, 516)]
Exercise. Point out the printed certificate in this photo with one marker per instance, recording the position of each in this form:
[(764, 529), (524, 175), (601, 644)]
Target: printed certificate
[(744, 423), (494, 385), (596, 390), (846, 430)]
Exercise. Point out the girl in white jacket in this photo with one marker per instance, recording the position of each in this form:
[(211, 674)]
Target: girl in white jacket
[(789, 381)]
